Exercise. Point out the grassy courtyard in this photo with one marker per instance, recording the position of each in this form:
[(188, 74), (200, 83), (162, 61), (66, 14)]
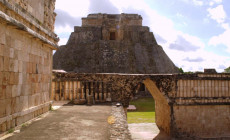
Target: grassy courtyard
[(145, 112)]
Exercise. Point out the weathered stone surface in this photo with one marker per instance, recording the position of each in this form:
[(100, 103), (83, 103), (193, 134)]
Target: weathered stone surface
[(119, 126), (184, 103), (113, 44), (26, 44), (79, 101)]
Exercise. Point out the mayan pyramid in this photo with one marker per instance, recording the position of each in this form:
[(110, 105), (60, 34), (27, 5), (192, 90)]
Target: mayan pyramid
[(113, 43)]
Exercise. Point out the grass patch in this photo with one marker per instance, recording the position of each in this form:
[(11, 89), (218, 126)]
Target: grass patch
[(11, 130), (145, 112), (141, 117), (24, 125)]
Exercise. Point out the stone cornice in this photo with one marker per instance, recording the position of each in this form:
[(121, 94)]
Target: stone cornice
[(21, 26), (30, 19)]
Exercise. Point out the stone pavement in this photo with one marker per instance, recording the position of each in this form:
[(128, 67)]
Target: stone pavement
[(143, 131), (70, 122)]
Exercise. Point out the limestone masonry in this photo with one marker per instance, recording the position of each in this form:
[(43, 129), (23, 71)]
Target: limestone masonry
[(109, 43), (187, 106), (26, 44)]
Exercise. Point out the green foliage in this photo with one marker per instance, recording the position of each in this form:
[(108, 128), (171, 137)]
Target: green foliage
[(51, 108), (181, 70), (11, 130), (145, 112), (24, 125), (189, 72), (227, 70)]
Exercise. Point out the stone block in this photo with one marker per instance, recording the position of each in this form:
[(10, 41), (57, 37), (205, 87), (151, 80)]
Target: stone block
[(20, 78), (12, 78), (8, 106), (1, 63), (3, 34), (8, 91), (14, 91), (24, 101), (16, 76), (11, 52), (18, 44), (20, 66), (13, 105), (19, 90), (6, 63), (15, 68), (2, 92), (19, 120), (12, 123), (6, 51), (2, 108), (24, 78), (6, 78), (3, 127), (30, 101), (1, 77), (18, 105), (8, 125)]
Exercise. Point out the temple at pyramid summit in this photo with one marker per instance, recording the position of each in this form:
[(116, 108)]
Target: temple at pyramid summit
[(113, 43)]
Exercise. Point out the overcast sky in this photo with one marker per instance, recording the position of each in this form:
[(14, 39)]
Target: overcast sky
[(195, 34)]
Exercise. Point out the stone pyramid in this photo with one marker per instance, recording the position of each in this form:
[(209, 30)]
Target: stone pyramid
[(113, 43)]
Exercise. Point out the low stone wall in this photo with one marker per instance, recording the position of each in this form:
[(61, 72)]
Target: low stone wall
[(119, 126)]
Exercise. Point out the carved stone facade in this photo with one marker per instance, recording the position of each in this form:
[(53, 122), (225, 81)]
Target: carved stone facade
[(26, 43), (186, 105), (107, 43)]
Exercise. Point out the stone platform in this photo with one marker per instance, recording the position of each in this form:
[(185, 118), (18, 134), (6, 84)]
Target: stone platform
[(72, 122)]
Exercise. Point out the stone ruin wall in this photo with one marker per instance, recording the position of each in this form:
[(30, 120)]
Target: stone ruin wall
[(193, 105), (26, 44), (202, 106)]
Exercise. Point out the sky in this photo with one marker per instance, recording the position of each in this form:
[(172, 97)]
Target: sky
[(195, 34)]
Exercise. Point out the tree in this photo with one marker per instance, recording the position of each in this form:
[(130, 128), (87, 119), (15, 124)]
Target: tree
[(181, 70), (227, 70)]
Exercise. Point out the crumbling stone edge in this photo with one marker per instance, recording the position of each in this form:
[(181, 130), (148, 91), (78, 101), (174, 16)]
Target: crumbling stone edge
[(119, 129)]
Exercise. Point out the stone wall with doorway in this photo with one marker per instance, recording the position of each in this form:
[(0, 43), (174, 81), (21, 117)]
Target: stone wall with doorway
[(26, 44), (187, 105)]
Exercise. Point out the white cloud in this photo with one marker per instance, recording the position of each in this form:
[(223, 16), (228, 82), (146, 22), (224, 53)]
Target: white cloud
[(62, 41), (194, 2), (218, 14), (221, 39), (218, 1), (198, 2), (73, 7), (186, 43)]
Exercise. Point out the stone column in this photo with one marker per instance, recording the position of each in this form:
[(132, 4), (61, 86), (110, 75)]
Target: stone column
[(87, 90), (82, 91), (96, 92), (53, 91), (74, 90), (78, 90), (56, 91), (104, 92), (70, 90), (100, 91)]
